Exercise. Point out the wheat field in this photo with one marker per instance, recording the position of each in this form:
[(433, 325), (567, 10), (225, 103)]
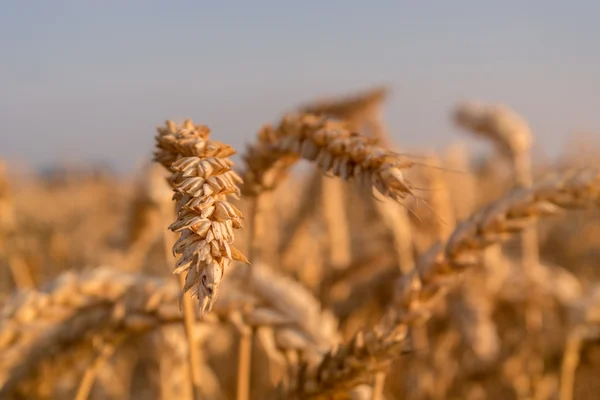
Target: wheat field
[(327, 264)]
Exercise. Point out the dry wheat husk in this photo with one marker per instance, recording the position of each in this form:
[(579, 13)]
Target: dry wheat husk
[(202, 178), (353, 363)]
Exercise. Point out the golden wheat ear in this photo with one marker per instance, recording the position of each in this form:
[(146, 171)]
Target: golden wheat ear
[(202, 179)]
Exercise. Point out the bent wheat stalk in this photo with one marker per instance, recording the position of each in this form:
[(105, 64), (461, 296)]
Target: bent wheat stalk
[(436, 272), (500, 124), (335, 150), (513, 138)]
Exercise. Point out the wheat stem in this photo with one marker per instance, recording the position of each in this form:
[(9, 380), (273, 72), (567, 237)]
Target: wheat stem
[(569, 364), (107, 350)]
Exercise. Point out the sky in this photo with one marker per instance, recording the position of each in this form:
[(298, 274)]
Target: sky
[(90, 80)]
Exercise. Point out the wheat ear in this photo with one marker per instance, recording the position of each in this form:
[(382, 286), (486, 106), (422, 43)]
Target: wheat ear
[(436, 272), (335, 149), (202, 178)]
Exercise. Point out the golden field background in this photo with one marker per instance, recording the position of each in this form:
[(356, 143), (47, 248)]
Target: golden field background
[(475, 279)]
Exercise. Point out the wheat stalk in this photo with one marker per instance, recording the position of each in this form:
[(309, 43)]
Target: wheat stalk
[(436, 272), (584, 321), (513, 139), (19, 269)]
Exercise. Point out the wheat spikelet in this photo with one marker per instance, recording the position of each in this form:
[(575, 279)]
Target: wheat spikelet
[(353, 363), (201, 178)]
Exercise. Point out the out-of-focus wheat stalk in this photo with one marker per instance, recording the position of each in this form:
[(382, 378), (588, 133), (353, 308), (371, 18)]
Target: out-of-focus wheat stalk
[(105, 302), (338, 232), (584, 321), (513, 138), (106, 351), (437, 270), (145, 224), (19, 269), (497, 123)]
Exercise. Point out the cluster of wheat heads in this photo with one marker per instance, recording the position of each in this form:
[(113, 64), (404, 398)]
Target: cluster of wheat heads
[(348, 295), (438, 269), (38, 326)]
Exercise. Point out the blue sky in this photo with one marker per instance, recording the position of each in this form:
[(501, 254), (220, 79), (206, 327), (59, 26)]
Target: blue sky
[(90, 80)]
